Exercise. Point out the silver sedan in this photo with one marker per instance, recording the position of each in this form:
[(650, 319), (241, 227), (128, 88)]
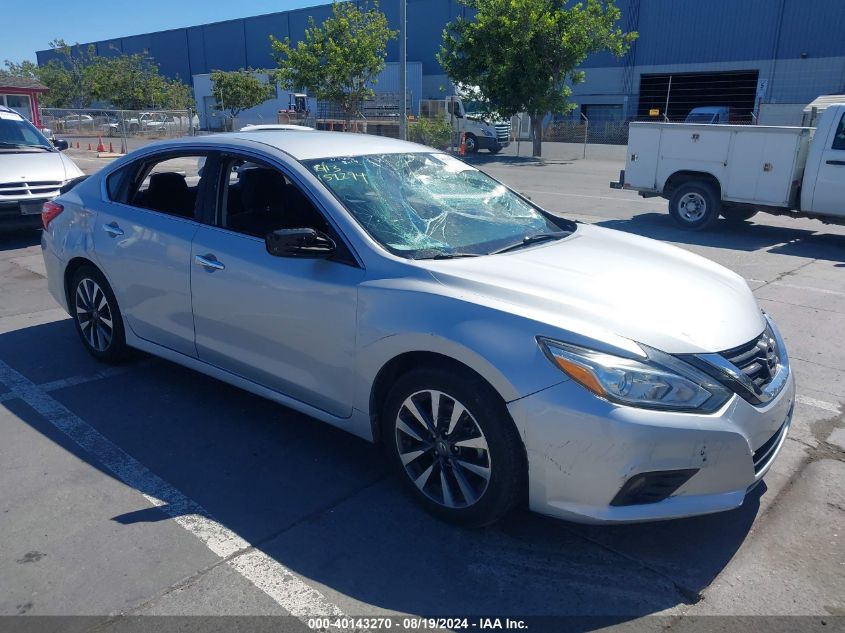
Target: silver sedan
[(501, 354)]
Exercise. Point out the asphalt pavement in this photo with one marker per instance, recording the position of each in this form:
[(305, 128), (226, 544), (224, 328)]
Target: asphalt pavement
[(151, 489)]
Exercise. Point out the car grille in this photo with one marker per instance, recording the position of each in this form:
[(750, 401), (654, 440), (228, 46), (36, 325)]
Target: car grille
[(758, 359), (30, 189), (763, 455), (503, 133)]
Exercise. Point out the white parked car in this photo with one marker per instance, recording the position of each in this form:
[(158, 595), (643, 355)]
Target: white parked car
[(499, 352), (32, 170)]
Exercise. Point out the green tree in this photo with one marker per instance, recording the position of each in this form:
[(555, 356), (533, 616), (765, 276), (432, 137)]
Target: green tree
[(128, 82), (78, 76), (339, 60), (68, 75), (239, 90), (523, 54), (177, 95)]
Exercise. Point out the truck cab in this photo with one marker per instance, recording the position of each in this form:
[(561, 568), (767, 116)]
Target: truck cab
[(709, 115), (479, 131), (823, 185)]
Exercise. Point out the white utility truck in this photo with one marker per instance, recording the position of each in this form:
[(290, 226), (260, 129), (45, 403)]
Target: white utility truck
[(478, 132), (738, 170)]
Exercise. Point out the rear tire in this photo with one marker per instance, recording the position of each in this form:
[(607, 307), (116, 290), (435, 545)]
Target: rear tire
[(737, 214), (464, 463), (96, 315), (695, 205)]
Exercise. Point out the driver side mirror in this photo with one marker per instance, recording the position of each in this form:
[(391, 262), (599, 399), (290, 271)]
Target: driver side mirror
[(60, 144), (303, 243)]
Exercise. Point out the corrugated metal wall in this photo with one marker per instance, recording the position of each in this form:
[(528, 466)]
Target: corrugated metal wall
[(672, 32)]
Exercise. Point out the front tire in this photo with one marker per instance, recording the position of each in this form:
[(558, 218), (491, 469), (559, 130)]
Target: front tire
[(494, 150), (695, 205), (454, 445), (96, 315), (470, 144)]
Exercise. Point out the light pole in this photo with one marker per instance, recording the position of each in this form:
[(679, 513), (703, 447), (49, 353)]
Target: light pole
[(403, 70)]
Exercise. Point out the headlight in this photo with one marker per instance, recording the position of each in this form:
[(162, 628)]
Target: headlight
[(659, 382)]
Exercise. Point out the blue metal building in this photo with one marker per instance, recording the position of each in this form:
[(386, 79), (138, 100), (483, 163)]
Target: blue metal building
[(786, 52)]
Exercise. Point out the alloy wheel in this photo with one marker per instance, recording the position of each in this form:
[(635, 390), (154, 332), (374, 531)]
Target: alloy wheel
[(692, 207), (94, 314), (443, 449)]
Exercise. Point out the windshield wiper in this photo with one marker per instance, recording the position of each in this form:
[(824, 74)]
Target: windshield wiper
[(452, 255), (444, 255), (531, 239)]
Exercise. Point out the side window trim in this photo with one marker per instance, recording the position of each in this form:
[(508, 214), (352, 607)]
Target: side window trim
[(838, 142), (349, 256), (133, 173)]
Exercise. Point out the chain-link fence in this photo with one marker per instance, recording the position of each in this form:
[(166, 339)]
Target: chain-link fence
[(105, 123), (609, 132)]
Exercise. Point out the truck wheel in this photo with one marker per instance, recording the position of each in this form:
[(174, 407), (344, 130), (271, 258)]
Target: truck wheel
[(494, 150), (737, 214), (470, 144), (695, 205)]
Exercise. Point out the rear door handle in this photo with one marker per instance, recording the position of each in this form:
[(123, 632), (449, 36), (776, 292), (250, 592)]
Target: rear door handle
[(836, 162), (113, 229), (209, 262)]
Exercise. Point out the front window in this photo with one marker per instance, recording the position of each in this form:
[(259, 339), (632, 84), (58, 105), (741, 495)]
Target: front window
[(18, 134), (700, 117), (425, 205)]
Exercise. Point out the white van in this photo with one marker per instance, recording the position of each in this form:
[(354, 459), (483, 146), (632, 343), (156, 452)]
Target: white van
[(32, 170)]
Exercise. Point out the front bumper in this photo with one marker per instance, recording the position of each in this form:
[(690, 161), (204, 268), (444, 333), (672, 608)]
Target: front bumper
[(581, 450), (490, 142), (13, 217)]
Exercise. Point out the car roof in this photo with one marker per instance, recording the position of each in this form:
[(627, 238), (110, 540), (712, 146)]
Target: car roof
[(317, 144), (6, 110)]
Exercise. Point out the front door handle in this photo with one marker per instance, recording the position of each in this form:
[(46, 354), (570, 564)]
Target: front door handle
[(209, 262), (836, 162), (113, 229)]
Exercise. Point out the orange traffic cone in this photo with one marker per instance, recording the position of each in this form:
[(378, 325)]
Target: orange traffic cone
[(462, 148), (100, 146), (77, 144), (89, 147)]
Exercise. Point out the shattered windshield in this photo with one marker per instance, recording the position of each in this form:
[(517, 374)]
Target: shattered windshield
[(429, 205)]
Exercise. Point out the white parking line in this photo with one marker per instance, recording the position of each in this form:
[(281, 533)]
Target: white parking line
[(73, 381), (819, 404), (267, 574), (108, 372)]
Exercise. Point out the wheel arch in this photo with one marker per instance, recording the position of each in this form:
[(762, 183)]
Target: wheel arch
[(682, 177), (73, 265), (406, 362)]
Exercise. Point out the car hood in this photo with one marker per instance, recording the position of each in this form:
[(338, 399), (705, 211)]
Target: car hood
[(604, 280), (29, 166)]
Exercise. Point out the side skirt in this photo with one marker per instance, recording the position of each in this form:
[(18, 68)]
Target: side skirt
[(357, 424)]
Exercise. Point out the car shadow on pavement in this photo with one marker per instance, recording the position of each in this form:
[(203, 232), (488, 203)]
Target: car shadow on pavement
[(747, 236), (322, 503), (19, 238)]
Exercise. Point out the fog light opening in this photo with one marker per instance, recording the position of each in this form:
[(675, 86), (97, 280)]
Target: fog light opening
[(652, 487)]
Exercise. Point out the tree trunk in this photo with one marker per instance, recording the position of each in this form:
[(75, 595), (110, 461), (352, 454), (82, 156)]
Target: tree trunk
[(537, 135)]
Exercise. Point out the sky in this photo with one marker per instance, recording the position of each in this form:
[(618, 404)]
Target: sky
[(30, 27)]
